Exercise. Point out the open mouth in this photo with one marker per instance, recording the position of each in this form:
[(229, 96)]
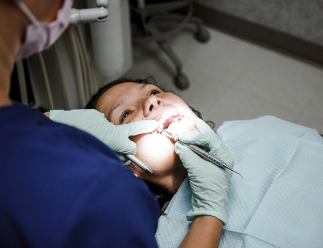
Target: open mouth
[(167, 120), (170, 120)]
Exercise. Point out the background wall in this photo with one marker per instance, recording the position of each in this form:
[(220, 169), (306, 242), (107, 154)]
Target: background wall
[(300, 18)]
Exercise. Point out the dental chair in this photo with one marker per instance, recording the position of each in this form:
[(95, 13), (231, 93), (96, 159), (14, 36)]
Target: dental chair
[(156, 21)]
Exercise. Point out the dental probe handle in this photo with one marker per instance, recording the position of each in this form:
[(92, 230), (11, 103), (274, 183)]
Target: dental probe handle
[(201, 152), (204, 154), (207, 156), (139, 163)]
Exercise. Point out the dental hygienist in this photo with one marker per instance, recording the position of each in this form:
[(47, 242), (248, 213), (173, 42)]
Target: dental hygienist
[(60, 186)]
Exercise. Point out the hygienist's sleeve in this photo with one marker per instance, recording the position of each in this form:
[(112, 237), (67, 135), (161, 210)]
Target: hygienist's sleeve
[(92, 224)]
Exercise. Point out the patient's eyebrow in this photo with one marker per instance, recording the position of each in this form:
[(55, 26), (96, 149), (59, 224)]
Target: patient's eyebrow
[(143, 86), (117, 105)]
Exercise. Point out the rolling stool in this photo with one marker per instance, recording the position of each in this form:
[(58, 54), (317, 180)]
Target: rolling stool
[(155, 22)]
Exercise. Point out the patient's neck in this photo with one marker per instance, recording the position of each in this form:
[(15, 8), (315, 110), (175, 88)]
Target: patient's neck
[(169, 184)]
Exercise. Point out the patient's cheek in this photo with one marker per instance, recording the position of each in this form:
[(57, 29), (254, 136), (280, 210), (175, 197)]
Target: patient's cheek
[(157, 151)]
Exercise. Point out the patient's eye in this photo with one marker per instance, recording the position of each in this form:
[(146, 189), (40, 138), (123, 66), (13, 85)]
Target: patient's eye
[(124, 115), (154, 92)]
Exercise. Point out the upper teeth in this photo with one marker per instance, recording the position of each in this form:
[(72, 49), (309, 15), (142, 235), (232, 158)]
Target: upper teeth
[(165, 117)]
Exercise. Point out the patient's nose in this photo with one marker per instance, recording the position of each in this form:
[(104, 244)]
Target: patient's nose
[(152, 103)]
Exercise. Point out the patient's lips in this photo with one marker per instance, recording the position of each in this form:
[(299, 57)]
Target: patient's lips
[(175, 123), (168, 118)]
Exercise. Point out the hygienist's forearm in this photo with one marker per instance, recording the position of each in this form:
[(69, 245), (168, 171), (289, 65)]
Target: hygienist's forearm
[(205, 232)]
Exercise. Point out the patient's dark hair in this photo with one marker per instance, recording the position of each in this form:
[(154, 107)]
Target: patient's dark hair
[(150, 80), (95, 98)]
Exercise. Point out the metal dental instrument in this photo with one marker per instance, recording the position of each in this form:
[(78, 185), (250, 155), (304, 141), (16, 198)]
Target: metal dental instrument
[(201, 152), (139, 163)]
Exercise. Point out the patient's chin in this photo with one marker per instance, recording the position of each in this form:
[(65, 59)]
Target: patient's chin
[(157, 151)]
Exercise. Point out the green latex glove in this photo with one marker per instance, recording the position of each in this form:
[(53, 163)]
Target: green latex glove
[(209, 183), (114, 136)]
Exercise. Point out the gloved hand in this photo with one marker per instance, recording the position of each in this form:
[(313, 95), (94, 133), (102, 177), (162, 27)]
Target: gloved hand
[(209, 183), (94, 122)]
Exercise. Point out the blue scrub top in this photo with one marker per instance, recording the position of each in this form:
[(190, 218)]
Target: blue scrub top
[(61, 187)]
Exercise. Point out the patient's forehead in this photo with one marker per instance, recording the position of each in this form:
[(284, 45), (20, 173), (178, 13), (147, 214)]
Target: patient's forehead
[(113, 95), (117, 94)]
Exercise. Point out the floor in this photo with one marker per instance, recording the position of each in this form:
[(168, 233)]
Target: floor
[(231, 79)]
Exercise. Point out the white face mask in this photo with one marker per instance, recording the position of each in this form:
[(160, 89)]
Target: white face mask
[(40, 35)]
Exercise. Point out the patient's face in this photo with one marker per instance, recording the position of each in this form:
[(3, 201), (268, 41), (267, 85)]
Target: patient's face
[(130, 102)]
